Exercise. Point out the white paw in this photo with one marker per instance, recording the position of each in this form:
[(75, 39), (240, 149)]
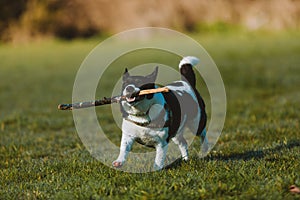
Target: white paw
[(185, 158), (157, 167), (117, 164)]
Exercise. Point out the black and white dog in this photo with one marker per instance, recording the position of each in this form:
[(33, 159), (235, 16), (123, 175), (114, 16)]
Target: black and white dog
[(154, 119)]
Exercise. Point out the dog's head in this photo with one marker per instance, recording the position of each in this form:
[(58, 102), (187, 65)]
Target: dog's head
[(132, 85)]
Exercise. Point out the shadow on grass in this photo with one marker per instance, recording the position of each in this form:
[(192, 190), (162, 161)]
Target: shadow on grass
[(247, 155), (255, 154), (177, 163)]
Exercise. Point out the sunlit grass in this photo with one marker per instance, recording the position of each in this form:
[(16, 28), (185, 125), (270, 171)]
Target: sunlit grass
[(257, 156)]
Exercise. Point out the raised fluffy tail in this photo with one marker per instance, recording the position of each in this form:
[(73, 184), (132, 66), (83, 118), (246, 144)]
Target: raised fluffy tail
[(186, 69), (187, 74)]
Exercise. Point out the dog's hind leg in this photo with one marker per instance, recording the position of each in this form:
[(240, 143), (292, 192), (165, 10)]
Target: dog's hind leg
[(200, 132), (204, 142), (182, 144)]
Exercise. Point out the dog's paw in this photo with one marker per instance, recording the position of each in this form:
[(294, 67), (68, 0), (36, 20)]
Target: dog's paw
[(157, 167), (185, 158), (117, 164)]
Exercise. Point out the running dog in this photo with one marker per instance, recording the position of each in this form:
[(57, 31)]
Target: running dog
[(155, 119)]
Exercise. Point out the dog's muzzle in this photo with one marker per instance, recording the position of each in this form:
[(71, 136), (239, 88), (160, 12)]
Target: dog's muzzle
[(131, 93)]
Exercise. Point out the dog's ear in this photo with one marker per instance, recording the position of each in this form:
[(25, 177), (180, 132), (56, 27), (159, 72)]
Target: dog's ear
[(126, 74), (152, 77)]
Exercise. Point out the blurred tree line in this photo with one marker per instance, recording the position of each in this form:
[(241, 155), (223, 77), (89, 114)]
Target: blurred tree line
[(34, 18), (25, 19)]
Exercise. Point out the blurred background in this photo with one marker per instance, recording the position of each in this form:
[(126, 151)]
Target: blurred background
[(24, 20), (254, 43)]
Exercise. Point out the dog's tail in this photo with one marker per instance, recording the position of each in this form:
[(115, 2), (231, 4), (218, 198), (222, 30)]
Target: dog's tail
[(186, 69), (187, 74)]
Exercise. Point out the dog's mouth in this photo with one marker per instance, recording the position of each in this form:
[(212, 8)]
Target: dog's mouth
[(132, 94), (130, 99), (134, 98)]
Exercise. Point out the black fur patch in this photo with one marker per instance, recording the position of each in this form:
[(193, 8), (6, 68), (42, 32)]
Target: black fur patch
[(203, 119), (188, 74), (175, 113)]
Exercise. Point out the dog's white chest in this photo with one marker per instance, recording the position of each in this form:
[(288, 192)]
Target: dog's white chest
[(148, 136)]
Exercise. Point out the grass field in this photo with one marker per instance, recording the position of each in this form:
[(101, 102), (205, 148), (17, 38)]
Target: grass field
[(256, 157)]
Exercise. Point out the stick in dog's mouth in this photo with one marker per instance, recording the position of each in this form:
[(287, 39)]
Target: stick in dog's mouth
[(105, 100), (152, 91), (132, 97)]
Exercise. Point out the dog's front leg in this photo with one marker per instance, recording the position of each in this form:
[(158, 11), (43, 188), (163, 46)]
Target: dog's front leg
[(126, 144), (161, 152)]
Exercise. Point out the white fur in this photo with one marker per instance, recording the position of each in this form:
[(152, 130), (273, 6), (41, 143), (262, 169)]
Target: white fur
[(156, 137), (189, 60)]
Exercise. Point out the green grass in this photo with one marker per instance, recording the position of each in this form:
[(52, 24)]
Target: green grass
[(256, 157)]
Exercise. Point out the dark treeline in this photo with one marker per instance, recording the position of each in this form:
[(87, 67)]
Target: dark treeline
[(25, 19)]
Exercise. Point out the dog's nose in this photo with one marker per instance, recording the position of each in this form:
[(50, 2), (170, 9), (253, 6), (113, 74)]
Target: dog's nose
[(130, 89)]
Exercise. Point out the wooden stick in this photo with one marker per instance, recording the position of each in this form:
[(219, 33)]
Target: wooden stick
[(105, 100), (152, 91)]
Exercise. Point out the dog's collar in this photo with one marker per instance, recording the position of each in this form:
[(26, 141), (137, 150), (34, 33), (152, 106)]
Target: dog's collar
[(158, 122)]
